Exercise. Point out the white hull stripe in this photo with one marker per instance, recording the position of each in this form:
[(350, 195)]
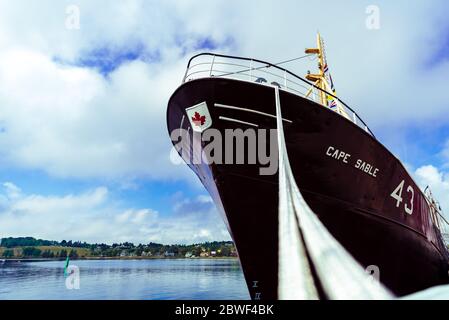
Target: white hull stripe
[(182, 121), (219, 105), (238, 121)]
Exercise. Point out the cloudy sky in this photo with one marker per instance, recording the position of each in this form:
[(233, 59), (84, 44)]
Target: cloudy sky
[(84, 153)]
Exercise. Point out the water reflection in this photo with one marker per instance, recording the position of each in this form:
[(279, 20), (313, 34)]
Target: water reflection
[(126, 279)]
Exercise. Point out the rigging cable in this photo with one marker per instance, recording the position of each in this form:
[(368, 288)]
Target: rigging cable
[(265, 66)]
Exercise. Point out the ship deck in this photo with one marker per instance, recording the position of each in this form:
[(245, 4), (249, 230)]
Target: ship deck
[(207, 65)]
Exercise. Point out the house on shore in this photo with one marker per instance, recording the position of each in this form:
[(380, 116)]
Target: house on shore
[(169, 254), (124, 253)]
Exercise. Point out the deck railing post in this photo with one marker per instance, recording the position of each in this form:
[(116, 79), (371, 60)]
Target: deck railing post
[(185, 74), (251, 70), (212, 66), (285, 79)]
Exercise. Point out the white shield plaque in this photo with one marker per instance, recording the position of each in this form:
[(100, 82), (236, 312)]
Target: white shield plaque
[(199, 117)]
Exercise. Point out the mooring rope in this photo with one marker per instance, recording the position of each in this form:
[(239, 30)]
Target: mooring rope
[(295, 280), (302, 237)]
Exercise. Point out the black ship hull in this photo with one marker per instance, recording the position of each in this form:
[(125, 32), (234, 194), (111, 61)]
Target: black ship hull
[(346, 176)]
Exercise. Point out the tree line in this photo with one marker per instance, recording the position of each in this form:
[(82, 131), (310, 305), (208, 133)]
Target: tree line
[(29, 248), (32, 242), (33, 252)]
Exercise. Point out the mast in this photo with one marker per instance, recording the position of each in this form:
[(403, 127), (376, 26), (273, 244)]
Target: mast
[(318, 78), (322, 78)]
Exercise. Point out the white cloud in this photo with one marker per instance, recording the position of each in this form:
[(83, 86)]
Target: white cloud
[(382, 74), (12, 191), (72, 122), (438, 182), (95, 216)]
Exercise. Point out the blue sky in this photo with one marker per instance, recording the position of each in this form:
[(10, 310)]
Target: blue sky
[(84, 153)]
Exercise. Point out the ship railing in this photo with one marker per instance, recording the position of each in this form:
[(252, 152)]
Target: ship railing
[(442, 223), (437, 216), (206, 65)]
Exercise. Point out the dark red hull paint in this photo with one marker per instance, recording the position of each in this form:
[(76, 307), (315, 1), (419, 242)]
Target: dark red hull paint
[(355, 207)]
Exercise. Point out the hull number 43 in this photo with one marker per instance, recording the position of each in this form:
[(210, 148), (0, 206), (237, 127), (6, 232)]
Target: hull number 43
[(397, 195)]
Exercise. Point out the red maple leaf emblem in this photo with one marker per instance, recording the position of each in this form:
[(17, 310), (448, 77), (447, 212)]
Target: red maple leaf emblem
[(198, 119)]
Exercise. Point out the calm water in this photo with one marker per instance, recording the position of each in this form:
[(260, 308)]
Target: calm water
[(126, 279)]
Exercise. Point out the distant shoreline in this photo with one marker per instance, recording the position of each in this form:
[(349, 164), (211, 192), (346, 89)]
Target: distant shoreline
[(112, 258), (29, 248)]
